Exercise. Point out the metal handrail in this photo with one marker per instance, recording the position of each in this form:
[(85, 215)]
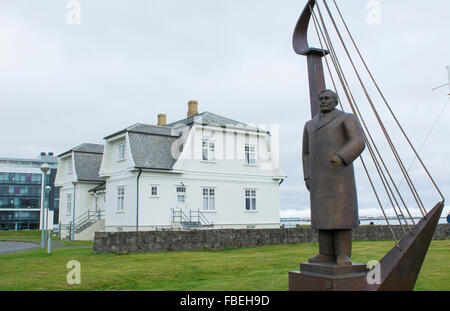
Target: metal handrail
[(180, 215), (194, 217), (88, 217)]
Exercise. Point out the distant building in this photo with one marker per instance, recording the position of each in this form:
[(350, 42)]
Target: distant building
[(21, 193), (205, 171)]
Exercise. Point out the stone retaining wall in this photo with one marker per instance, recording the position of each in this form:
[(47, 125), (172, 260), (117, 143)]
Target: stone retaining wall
[(155, 241)]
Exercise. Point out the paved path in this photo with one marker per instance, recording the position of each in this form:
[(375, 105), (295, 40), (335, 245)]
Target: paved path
[(9, 247)]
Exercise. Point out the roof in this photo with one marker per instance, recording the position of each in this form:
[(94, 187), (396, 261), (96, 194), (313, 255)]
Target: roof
[(152, 145), (100, 187), (209, 118), (152, 151), (145, 129), (87, 158), (86, 147), (87, 166)]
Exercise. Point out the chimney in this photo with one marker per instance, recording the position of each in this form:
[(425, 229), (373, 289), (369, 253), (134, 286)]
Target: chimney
[(161, 119), (192, 108)]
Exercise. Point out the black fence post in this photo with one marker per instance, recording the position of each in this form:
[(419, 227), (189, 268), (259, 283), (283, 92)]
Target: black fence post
[(70, 231)]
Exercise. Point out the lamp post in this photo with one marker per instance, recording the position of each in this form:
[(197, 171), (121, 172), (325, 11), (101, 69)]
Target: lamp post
[(45, 168), (49, 232)]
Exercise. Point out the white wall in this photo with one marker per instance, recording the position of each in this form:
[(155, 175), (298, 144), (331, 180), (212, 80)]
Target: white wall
[(82, 199), (62, 174), (114, 217), (229, 201)]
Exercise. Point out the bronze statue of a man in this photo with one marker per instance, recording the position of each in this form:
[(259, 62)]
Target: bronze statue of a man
[(332, 140)]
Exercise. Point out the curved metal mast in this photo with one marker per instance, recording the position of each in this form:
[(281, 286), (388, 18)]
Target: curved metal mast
[(313, 55)]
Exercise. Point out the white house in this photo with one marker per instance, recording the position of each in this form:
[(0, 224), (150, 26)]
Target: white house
[(205, 171), (77, 175)]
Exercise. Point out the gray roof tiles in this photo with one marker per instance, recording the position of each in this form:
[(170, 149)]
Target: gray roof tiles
[(152, 151), (209, 118), (87, 166), (87, 158), (86, 147), (145, 129), (151, 129)]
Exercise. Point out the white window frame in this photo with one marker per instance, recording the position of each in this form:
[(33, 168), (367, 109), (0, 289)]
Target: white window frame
[(250, 194), (121, 150), (181, 192), (156, 193), (250, 154), (208, 199), (208, 149), (69, 203), (120, 198)]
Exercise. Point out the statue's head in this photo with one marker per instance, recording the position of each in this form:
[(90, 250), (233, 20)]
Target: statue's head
[(328, 100)]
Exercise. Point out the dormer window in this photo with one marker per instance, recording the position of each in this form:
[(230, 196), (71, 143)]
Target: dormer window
[(208, 151), (121, 152)]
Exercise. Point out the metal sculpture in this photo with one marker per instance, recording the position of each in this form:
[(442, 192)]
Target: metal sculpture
[(400, 267)]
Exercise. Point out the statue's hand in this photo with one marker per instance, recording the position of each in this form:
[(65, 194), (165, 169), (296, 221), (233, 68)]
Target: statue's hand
[(336, 159), (307, 183)]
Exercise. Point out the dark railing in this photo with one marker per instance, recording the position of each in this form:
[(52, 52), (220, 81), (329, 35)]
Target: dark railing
[(193, 219), (83, 222), (88, 218)]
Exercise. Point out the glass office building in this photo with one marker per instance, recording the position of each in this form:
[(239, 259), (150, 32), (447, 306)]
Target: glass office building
[(21, 193)]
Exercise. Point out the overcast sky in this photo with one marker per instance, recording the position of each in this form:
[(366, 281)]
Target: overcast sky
[(64, 84)]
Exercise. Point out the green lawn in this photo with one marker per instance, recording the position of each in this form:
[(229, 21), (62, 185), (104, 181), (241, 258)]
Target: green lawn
[(259, 268), (35, 236), (22, 235)]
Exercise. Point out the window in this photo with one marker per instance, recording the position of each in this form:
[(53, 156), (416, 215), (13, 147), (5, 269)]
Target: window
[(209, 197), (154, 191), (69, 203), (250, 154), (36, 178), (121, 151), (208, 151), (120, 198), (69, 166), (181, 194), (250, 200)]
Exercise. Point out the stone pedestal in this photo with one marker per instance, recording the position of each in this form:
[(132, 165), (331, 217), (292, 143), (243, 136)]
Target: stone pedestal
[(328, 277)]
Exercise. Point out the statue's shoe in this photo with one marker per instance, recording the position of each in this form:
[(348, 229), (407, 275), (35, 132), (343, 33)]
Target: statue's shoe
[(343, 260), (322, 258)]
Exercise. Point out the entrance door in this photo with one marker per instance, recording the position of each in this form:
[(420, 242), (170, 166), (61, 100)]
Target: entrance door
[(181, 198)]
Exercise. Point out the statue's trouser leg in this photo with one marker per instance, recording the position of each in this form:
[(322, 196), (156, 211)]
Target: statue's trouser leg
[(343, 245), (326, 249), (326, 242)]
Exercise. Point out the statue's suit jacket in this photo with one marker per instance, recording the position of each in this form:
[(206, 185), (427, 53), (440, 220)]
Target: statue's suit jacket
[(333, 196)]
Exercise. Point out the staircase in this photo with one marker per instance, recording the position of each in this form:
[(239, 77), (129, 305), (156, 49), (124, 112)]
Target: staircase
[(191, 220), (83, 223)]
